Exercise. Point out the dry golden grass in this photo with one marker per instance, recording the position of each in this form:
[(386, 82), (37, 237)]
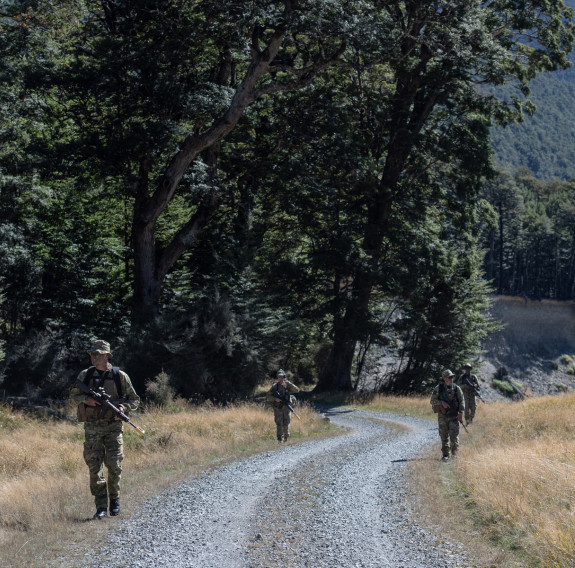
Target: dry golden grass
[(520, 474), (411, 405), (510, 496), (44, 493)]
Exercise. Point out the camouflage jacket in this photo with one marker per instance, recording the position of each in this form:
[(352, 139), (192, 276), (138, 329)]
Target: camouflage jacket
[(453, 395), (463, 384), (129, 399), (284, 391)]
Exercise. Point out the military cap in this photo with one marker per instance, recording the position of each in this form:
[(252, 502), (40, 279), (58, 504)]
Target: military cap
[(447, 373), (281, 373), (100, 347)]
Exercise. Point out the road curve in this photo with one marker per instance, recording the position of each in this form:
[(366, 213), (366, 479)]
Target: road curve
[(339, 502)]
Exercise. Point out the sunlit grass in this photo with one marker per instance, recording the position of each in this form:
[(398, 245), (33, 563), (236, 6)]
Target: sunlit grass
[(512, 488), (44, 493), (513, 484)]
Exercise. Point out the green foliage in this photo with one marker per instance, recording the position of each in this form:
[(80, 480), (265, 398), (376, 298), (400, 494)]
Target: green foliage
[(223, 188), (543, 142), (531, 251), (503, 386), (566, 359)]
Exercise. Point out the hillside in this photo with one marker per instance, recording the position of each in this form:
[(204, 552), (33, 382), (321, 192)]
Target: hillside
[(534, 346), (545, 142)]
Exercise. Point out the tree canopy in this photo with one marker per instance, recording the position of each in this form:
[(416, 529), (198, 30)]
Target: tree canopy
[(237, 185)]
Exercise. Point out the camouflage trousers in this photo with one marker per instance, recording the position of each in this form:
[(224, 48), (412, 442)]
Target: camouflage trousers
[(470, 405), (104, 446), (449, 433), (282, 419)]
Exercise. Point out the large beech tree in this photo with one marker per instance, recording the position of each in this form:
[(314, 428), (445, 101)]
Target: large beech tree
[(443, 54), (153, 87)]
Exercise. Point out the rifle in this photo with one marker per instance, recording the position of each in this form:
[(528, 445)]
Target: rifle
[(285, 400), (104, 399), (443, 397), (468, 382)]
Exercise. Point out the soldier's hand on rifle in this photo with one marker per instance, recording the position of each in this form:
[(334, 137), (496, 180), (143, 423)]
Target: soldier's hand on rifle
[(91, 402), (121, 409), (445, 404), (460, 417)]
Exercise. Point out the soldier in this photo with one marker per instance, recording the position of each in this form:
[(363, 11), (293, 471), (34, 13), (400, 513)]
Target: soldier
[(448, 402), (469, 385), (278, 395), (103, 444)]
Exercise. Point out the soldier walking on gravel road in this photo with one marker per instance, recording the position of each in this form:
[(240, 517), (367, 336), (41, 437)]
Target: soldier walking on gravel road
[(280, 395), (448, 402), (103, 444)]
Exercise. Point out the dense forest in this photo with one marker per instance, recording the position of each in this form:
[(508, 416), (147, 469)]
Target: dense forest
[(222, 188)]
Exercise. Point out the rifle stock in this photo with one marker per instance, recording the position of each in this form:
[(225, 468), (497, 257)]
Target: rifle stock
[(104, 399)]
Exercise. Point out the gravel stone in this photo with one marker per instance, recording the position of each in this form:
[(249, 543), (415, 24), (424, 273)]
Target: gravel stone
[(339, 502)]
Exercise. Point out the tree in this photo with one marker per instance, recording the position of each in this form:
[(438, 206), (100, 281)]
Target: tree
[(153, 88), (441, 53)]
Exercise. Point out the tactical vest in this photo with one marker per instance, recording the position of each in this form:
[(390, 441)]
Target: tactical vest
[(449, 396), (112, 384)]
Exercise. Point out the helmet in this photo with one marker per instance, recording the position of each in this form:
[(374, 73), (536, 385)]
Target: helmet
[(467, 366), (281, 373), (447, 373)]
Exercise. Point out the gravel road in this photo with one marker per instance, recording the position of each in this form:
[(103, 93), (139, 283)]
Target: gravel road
[(334, 503)]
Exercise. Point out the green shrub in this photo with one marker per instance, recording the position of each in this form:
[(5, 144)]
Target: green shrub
[(566, 359), (504, 386)]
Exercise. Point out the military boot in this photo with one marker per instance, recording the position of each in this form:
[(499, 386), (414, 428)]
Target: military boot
[(100, 513), (114, 507)]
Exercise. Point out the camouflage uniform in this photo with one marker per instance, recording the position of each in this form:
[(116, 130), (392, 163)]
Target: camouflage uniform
[(447, 421), (103, 443), (282, 413), (469, 395)]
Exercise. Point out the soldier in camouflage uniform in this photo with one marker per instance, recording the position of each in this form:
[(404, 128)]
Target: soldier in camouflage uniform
[(469, 392), (103, 444), (282, 389), (448, 402)]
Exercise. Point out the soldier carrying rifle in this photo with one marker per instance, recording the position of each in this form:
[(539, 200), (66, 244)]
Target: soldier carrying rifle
[(104, 397), (470, 387), (280, 395), (448, 403)]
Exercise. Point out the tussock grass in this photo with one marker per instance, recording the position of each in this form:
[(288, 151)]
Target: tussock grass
[(417, 406), (44, 493), (510, 495)]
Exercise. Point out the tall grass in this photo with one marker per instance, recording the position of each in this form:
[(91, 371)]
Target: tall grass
[(513, 483), (519, 474), (44, 492)]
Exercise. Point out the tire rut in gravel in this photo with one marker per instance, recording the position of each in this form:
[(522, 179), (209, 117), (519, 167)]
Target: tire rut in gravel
[(339, 502)]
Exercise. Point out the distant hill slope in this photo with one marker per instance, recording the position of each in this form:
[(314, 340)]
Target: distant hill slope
[(544, 143), (535, 345)]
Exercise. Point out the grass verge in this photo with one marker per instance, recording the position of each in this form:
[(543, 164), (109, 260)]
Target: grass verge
[(509, 497), (45, 503)]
